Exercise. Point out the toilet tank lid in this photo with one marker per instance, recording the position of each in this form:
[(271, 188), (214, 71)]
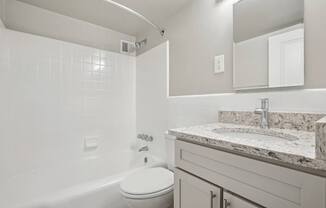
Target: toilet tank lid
[(148, 181)]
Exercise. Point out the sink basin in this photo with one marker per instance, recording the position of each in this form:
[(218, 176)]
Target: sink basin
[(254, 134)]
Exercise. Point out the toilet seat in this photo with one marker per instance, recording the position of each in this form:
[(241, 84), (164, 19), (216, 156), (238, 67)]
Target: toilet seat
[(148, 196), (147, 183)]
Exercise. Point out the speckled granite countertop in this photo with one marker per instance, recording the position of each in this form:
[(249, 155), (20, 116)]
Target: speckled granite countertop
[(298, 154)]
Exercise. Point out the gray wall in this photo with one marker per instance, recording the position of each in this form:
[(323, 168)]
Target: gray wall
[(26, 18), (204, 29), (1, 12), (197, 33)]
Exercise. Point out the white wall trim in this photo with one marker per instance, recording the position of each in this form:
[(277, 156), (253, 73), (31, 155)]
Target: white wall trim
[(168, 69), (238, 93), (198, 96)]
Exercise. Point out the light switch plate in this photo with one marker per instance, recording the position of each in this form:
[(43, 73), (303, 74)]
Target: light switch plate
[(219, 64)]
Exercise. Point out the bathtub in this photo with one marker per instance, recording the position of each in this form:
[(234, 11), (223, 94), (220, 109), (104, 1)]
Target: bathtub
[(89, 183)]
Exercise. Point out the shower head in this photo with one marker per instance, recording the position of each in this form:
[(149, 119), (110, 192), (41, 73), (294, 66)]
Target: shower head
[(128, 47), (140, 44)]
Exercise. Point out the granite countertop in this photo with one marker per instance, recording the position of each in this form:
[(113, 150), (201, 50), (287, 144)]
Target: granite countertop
[(297, 153)]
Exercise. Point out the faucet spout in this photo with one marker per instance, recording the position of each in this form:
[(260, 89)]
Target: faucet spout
[(264, 112), (144, 149)]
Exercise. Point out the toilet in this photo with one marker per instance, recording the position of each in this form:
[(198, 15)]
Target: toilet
[(151, 187)]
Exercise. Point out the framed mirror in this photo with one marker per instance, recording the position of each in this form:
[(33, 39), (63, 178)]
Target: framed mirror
[(268, 44)]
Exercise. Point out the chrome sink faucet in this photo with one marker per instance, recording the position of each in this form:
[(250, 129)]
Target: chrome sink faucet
[(264, 112)]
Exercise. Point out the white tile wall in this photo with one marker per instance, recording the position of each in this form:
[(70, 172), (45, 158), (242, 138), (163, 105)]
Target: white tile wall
[(54, 95), (151, 96)]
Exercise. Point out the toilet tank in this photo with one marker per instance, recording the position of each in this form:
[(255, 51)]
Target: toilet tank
[(170, 150)]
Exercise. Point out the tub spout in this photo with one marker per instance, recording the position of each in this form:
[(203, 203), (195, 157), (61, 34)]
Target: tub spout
[(144, 149)]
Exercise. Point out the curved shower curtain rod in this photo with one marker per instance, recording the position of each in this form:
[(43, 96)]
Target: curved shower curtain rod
[(131, 11)]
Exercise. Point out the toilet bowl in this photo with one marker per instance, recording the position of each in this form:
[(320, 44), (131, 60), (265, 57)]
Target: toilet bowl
[(149, 188)]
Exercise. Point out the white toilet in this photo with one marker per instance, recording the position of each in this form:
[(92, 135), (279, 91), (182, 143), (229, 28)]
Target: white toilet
[(151, 187)]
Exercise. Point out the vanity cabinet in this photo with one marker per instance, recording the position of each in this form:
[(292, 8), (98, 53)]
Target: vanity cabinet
[(202, 172), (192, 192)]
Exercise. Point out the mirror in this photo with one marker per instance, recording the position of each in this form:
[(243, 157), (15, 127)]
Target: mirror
[(268, 44)]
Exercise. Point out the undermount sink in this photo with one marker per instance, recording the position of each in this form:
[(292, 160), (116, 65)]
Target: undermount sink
[(254, 134)]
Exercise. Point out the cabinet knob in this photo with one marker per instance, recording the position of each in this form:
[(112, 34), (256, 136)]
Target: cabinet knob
[(227, 203)]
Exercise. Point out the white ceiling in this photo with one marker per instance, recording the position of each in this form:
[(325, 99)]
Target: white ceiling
[(104, 14)]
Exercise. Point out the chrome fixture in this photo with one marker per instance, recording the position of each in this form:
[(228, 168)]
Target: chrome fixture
[(131, 11), (140, 44), (145, 137), (144, 149), (263, 111), (227, 203)]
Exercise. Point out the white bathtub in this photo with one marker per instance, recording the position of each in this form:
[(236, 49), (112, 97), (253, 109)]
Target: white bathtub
[(89, 183)]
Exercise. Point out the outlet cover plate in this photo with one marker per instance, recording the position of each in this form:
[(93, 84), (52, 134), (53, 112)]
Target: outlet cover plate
[(218, 64)]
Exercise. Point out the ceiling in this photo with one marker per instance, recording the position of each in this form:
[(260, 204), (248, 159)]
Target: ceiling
[(104, 14)]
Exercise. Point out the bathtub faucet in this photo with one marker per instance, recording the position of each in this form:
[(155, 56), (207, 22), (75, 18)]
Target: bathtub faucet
[(144, 149), (145, 137)]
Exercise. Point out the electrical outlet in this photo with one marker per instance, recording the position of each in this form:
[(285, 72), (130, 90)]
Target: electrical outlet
[(219, 64)]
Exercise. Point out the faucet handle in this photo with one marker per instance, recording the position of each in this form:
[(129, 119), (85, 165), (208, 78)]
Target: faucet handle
[(145, 137)]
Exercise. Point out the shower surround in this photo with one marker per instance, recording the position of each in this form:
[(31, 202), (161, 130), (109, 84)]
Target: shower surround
[(60, 103)]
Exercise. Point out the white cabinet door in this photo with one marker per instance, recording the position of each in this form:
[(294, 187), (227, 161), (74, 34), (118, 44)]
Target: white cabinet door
[(192, 192), (231, 201), (286, 59)]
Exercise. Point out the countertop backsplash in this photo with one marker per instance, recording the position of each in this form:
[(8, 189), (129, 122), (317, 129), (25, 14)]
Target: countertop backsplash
[(281, 120), (321, 139)]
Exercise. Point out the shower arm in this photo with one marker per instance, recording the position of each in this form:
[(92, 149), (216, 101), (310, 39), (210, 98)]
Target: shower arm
[(161, 31)]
